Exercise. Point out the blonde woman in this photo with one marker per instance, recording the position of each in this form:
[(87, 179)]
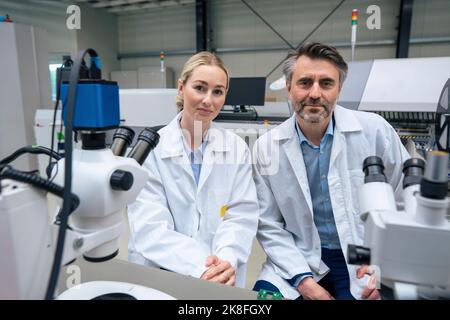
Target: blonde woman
[(198, 213)]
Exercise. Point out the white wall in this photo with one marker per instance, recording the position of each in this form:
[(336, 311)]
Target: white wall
[(24, 87), (50, 16)]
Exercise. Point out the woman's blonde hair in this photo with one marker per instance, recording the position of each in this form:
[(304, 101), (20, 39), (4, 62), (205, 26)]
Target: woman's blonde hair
[(203, 58)]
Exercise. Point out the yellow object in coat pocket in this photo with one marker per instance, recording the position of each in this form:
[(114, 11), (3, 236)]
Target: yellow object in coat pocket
[(223, 210)]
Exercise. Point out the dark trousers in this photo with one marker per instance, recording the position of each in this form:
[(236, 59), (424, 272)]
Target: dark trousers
[(336, 282)]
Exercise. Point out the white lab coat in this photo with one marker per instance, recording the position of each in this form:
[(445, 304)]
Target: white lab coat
[(286, 227), (176, 225)]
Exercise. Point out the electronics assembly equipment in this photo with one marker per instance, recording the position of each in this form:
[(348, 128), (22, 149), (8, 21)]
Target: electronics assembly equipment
[(409, 93), (406, 245), (147, 107)]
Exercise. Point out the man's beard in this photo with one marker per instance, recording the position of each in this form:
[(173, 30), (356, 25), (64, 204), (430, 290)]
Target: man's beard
[(315, 115)]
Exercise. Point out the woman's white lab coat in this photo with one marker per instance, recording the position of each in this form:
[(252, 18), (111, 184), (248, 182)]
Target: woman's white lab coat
[(176, 225), (286, 227)]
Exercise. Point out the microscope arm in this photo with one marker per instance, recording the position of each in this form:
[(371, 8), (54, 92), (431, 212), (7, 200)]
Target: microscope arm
[(78, 241)]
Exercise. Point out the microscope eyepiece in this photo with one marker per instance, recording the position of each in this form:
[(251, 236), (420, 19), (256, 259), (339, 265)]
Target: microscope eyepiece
[(373, 168), (435, 180), (147, 141), (413, 170), (150, 136), (122, 139)]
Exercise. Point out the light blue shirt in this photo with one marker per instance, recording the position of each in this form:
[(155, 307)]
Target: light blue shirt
[(195, 156), (317, 162)]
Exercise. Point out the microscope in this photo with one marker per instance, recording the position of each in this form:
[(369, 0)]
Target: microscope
[(101, 183), (407, 246)]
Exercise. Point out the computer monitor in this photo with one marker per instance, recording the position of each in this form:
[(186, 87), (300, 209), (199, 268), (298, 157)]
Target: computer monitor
[(246, 91)]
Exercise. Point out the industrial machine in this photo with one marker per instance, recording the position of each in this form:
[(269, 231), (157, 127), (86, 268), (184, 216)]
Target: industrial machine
[(406, 244), (411, 94), (147, 107), (95, 184)]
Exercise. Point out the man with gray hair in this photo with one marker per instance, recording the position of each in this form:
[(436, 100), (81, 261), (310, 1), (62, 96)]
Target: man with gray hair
[(309, 209)]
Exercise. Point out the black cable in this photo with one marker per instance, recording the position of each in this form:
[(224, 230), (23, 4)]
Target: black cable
[(2, 167), (33, 150), (50, 169), (55, 109), (60, 134), (71, 102), (309, 35), (7, 172), (36, 172), (59, 138)]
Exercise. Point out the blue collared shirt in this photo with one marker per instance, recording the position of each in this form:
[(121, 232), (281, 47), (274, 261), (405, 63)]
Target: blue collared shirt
[(317, 162)]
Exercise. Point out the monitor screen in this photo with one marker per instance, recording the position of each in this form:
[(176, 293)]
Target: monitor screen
[(246, 91)]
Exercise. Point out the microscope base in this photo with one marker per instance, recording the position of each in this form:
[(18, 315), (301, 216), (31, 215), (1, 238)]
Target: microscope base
[(112, 290)]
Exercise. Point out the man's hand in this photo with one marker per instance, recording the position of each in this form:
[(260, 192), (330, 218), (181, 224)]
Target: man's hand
[(370, 292), (311, 290), (219, 271)]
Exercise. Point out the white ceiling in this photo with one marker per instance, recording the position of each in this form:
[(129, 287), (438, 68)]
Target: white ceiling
[(131, 6)]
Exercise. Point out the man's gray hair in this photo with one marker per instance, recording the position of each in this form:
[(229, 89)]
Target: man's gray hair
[(315, 50)]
